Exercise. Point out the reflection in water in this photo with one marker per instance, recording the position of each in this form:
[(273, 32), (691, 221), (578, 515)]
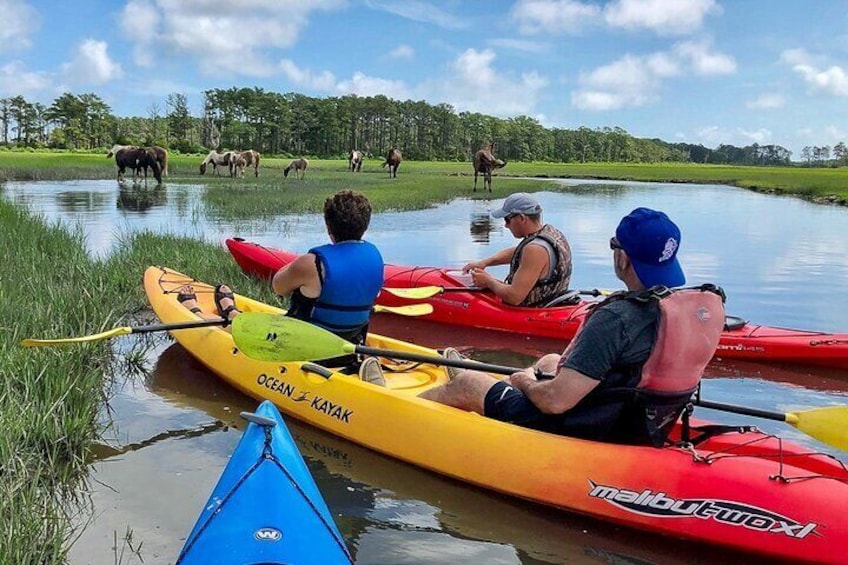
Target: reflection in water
[(481, 226), (137, 198), (81, 201), (390, 512)]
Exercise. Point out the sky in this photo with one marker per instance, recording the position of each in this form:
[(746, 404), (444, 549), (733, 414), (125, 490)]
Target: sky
[(694, 71)]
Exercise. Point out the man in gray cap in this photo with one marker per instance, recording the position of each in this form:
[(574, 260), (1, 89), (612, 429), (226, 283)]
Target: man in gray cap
[(539, 266)]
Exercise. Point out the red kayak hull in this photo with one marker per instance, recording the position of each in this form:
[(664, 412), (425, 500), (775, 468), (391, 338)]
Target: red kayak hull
[(750, 342)]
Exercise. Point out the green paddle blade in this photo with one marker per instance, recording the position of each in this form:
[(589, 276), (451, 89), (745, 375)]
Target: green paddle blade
[(83, 339), (827, 425), (272, 337)]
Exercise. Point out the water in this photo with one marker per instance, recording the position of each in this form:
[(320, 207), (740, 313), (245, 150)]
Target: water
[(782, 261)]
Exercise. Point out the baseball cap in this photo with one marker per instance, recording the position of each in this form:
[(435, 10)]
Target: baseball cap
[(518, 203), (651, 240)]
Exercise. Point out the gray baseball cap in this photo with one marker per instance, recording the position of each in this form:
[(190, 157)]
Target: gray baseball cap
[(518, 203)]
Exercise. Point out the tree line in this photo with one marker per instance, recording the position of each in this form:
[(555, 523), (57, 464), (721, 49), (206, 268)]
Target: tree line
[(294, 124)]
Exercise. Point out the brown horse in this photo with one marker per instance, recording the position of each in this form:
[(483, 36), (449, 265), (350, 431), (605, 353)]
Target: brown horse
[(136, 158), (251, 159), (237, 165), (299, 165), (354, 161), (161, 158), (484, 163), (393, 159)]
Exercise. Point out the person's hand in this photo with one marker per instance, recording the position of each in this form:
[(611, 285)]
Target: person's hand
[(482, 279), (473, 266), (522, 378)]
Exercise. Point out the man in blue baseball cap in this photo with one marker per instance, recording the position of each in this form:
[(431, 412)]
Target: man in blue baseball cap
[(619, 348)]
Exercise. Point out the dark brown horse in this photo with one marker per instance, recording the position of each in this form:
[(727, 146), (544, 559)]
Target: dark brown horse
[(354, 161), (137, 159), (251, 159), (393, 159), (484, 163), (299, 165)]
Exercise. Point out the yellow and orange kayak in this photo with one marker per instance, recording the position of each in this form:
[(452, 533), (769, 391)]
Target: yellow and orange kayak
[(747, 491)]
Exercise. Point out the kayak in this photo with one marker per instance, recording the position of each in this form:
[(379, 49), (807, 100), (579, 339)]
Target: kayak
[(266, 507), (740, 340), (749, 492)]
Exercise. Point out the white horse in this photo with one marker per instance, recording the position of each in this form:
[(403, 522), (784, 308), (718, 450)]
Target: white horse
[(217, 160)]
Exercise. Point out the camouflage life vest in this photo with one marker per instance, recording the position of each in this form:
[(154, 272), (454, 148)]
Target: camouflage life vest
[(546, 288)]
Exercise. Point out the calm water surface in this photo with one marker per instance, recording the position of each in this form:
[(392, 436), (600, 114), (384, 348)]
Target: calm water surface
[(781, 260)]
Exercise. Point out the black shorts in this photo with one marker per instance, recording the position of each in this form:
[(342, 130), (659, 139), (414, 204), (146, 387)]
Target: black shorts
[(508, 404)]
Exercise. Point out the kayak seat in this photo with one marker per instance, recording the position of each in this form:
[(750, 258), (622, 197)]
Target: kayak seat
[(567, 298)]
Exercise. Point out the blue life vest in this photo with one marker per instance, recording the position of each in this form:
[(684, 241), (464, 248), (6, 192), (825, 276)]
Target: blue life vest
[(351, 274)]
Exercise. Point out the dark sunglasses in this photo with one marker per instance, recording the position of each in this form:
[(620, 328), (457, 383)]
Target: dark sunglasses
[(508, 219), (614, 244)]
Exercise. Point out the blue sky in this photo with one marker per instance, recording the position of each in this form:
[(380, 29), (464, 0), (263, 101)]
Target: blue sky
[(699, 71)]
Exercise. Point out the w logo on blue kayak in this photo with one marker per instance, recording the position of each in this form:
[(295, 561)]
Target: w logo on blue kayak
[(268, 534)]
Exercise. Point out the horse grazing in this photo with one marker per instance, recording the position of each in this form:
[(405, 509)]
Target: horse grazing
[(484, 163), (354, 161), (161, 158), (217, 160), (136, 158), (251, 159), (298, 165), (393, 159), (237, 165)]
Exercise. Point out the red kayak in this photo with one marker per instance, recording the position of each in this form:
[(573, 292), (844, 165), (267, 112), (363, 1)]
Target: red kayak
[(742, 340)]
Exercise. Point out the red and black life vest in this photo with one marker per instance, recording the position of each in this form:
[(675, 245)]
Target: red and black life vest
[(689, 327)]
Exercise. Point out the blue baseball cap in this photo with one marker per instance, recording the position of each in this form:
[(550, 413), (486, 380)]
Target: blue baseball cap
[(651, 240)]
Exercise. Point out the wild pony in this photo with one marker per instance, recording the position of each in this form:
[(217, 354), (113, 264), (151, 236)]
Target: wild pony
[(161, 158), (484, 163), (251, 159), (237, 165), (299, 165), (136, 158), (354, 161), (393, 159), (216, 160)]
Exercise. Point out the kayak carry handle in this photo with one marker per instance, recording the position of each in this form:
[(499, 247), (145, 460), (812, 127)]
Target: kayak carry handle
[(258, 420)]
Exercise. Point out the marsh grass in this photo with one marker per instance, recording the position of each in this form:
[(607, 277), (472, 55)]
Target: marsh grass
[(51, 397)]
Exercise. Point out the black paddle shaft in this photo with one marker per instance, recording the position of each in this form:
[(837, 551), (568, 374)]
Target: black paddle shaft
[(461, 363)]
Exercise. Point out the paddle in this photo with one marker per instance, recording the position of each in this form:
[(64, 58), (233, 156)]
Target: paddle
[(410, 310), (270, 337), (421, 292)]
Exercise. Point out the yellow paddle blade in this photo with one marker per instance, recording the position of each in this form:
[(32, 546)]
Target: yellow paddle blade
[(416, 293), (410, 310), (828, 425), (126, 330)]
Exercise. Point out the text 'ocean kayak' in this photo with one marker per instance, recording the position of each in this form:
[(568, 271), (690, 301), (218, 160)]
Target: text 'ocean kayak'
[(751, 492), (747, 341)]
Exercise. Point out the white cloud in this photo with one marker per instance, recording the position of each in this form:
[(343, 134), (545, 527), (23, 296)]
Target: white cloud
[(91, 65), (713, 136), (831, 80), (220, 34), (663, 17), (520, 45), (364, 85), (703, 61), (19, 21), (402, 52), (554, 16), (767, 101), (16, 80), (634, 81), (678, 17), (475, 85), (323, 80), (418, 11)]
